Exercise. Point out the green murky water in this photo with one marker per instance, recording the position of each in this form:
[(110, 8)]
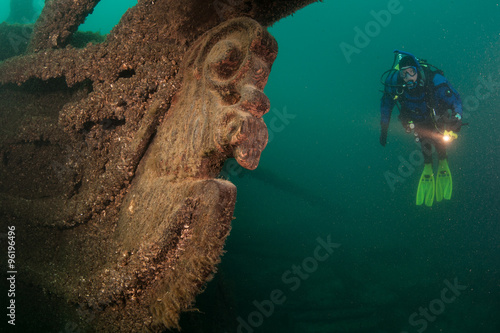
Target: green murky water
[(322, 241)]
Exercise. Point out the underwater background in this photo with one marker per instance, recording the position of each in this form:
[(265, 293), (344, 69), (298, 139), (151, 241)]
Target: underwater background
[(323, 239)]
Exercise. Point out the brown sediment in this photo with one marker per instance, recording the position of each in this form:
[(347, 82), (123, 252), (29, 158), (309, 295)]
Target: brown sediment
[(58, 21), (110, 153)]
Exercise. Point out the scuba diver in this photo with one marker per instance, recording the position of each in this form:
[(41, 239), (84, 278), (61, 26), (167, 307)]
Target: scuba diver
[(430, 107)]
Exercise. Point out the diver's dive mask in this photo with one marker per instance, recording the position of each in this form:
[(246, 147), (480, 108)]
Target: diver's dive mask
[(409, 75), (407, 72)]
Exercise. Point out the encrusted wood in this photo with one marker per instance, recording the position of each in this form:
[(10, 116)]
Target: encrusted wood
[(110, 153)]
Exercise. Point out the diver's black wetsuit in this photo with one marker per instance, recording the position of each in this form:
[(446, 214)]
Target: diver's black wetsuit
[(435, 95)]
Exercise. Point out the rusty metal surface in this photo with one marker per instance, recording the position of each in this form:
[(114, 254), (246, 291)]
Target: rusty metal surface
[(110, 154)]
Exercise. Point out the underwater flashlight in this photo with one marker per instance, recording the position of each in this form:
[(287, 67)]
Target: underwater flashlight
[(449, 136)]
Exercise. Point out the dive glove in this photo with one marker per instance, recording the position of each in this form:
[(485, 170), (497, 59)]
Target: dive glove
[(455, 123)]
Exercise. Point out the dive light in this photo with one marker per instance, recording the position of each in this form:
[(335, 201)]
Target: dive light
[(449, 136)]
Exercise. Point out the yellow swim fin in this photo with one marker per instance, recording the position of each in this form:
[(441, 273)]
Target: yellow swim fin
[(425, 191), (444, 185)]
